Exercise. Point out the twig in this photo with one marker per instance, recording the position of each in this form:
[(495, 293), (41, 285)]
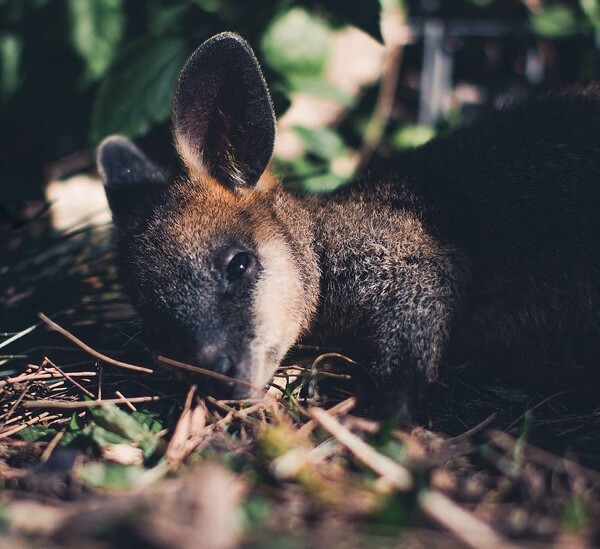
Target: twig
[(472, 430), (44, 416), (463, 525), (341, 408), (100, 379), (540, 457), (538, 405), (235, 413), (394, 50), (70, 379), (85, 403), (51, 445), (15, 404), (91, 351), (127, 401), (39, 376), (325, 356), (205, 372), (392, 472)]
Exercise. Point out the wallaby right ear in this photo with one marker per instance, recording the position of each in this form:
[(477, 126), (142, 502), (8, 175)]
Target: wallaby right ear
[(223, 119), (130, 178)]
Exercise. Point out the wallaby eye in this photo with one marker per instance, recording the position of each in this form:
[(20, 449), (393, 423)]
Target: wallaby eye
[(238, 266)]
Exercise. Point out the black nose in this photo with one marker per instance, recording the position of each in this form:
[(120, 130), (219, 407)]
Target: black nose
[(213, 357)]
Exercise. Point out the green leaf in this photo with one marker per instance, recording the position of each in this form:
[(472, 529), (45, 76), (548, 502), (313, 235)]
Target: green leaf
[(152, 420), (555, 21), (321, 89), (323, 183), (104, 437), (297, 43), (114, 426), (411, 136), (322, 142), (591, 8), (576, 515), (75, 425), (163, 19), (111, 475), (96, 30), (10, 65), (138, 89), (34, 433)]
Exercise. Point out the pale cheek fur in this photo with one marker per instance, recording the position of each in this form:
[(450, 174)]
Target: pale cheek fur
[(278, 310)]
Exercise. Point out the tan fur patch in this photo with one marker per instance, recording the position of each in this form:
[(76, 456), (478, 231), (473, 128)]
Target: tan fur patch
[(279, 313), (267, 182), (191, 156)]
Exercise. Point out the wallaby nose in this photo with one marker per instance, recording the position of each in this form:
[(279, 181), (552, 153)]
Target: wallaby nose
[(214, 357)]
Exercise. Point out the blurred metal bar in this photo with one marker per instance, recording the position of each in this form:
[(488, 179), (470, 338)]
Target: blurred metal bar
[(436, 75)]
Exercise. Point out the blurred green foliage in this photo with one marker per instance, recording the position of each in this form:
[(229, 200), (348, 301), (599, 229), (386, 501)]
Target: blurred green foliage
[(74, 71)]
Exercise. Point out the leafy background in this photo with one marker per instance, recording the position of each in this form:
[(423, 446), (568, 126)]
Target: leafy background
[(74, 71)]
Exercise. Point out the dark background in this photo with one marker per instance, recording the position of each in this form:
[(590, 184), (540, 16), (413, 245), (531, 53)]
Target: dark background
[(74, 71)]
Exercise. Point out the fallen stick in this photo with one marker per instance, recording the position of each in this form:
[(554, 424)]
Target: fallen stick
[(393, 473), (462, 524)]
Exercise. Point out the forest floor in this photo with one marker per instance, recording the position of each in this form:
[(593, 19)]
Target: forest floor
[(95, 454)]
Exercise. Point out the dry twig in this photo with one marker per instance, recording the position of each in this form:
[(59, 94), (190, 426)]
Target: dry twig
[(396, 475), (91, 351), (463, 525), (85, 403)]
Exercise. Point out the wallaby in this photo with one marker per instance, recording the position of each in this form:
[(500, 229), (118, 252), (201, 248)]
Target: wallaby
[(484, 242)]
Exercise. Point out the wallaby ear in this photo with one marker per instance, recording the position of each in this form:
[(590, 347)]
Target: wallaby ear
[(130, 178), (223, 118)]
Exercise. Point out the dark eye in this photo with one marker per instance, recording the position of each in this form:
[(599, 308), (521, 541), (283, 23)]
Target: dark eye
[(238, 266)]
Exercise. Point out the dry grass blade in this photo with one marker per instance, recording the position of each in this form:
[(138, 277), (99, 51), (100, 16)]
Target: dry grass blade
[(463, 525), (393, 473), (18, 335), (474, 430), (541, 457), (91, 351)]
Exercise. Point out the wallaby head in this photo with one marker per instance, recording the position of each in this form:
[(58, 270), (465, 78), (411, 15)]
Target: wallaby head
[(211, 260)]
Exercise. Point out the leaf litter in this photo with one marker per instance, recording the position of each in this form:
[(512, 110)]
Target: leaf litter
[(93, 451)]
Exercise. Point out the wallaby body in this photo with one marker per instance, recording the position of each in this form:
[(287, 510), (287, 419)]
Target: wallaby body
[(484, 242)]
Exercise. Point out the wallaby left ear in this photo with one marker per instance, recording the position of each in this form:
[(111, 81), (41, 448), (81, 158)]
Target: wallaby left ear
[(223, 117), (131, 180)]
